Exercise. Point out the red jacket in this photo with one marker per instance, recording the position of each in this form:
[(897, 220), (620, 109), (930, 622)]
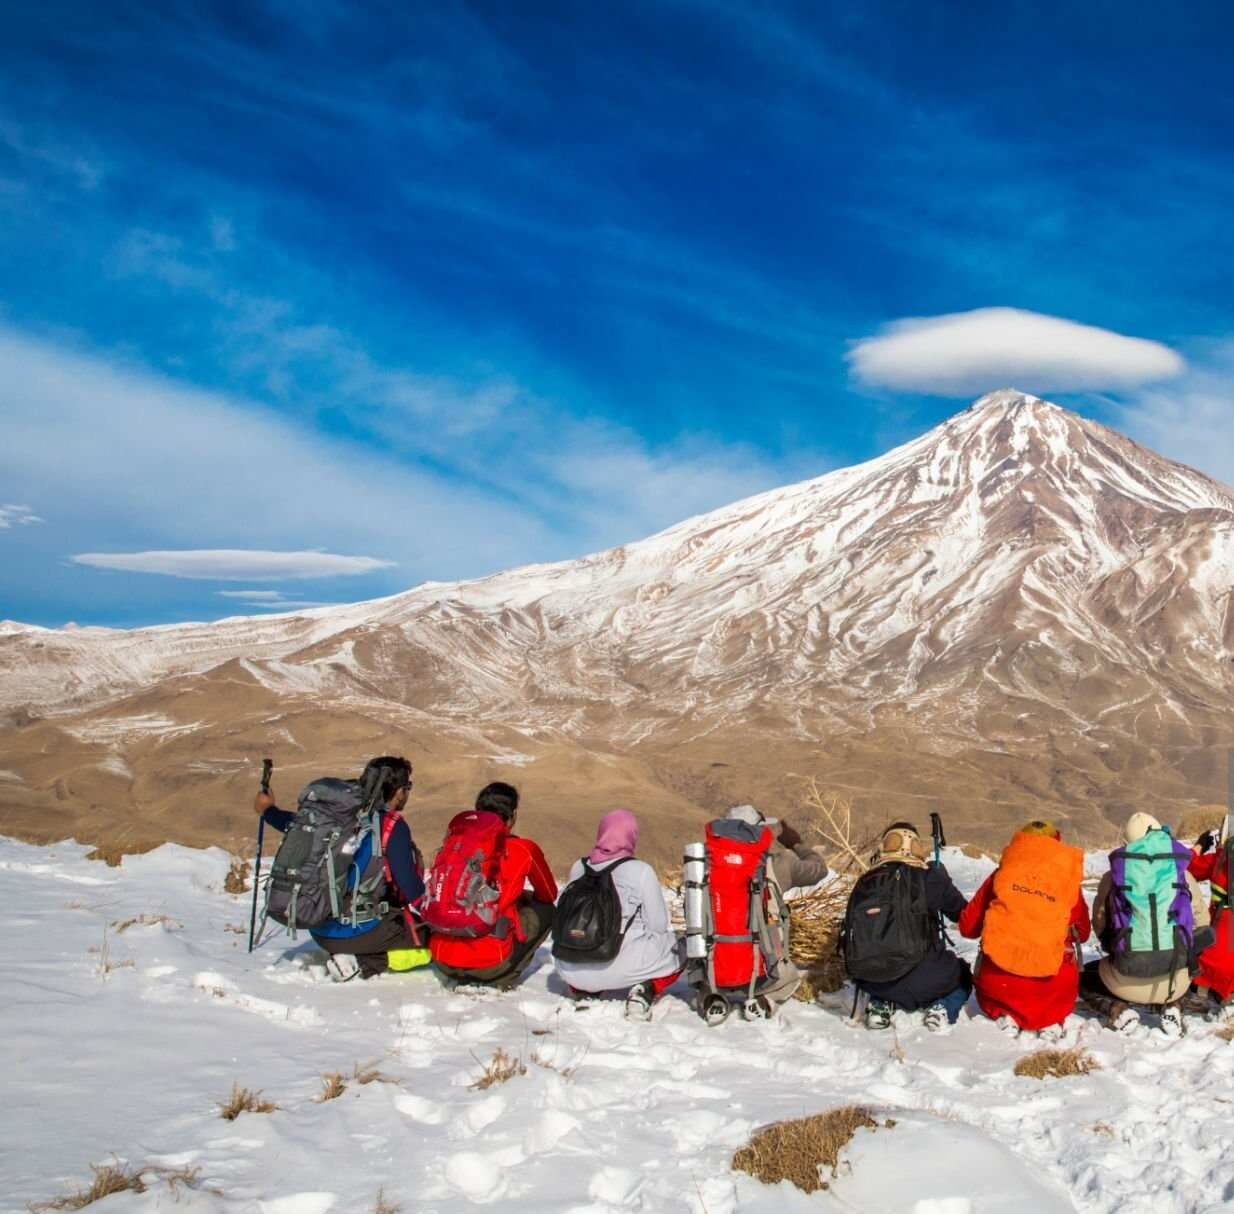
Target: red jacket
[(1033, 1003), (521, 862), (1216, 961)]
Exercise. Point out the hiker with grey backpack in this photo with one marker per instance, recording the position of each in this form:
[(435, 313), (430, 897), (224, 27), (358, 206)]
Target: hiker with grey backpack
[(1151, 919), (348, 872)]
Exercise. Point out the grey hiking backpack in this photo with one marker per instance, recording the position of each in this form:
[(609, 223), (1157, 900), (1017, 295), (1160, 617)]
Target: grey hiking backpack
[(329, 865)]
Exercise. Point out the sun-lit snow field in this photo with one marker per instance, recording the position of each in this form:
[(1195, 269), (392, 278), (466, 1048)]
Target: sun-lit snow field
[(123, 1045)]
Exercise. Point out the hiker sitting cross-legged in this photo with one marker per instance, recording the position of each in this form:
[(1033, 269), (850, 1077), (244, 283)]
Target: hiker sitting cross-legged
[(892, 936), (1214, 983), (612, 931), (349, 872), (1147, 915), (486, 924), (1031, 917), (795, 865)]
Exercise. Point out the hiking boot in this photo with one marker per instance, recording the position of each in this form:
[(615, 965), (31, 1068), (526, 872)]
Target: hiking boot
[(1052, 1034), (1198, 1000), (1008, 1026), (342, 967), (758, 1008), (714, 1009), (1122, 1018), (1172, 1021), (639, 1001), (878, 1014), (936, 1018)]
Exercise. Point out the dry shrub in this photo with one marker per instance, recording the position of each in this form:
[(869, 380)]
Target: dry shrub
[(1226, 1032), (123, 925), (796, 1150), (109, 1178), (237, 879), (1196, 821), (829, 817), (814, 941), (500, 1068), (332, 1087), (1055, 1064), (383, 1206), (244, 1100)]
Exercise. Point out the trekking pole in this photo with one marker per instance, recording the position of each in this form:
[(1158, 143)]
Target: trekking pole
[(1227, 845), (267, 769), (940, 839)]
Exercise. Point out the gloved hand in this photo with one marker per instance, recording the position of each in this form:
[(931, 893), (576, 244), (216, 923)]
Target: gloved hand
[(263, 801), (1207, 841), (789, 837)]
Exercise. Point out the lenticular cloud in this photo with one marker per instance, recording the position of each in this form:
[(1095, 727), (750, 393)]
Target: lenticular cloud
[(967, 353), (234, 564)]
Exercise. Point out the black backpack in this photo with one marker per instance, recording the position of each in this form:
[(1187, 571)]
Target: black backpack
[(587, 924), (888, 927), (314, 877)]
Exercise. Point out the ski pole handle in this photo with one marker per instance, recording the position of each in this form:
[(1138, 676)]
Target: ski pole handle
[(267, 770)]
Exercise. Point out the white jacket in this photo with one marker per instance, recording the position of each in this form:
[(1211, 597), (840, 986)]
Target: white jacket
[(650, 948)]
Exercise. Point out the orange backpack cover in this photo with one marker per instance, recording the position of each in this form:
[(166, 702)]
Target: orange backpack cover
[(1035, 889)]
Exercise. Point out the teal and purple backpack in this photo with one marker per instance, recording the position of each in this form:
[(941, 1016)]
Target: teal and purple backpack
[(1151, 927)]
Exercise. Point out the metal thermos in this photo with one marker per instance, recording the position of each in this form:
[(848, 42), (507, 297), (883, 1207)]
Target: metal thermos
[(694, 873)]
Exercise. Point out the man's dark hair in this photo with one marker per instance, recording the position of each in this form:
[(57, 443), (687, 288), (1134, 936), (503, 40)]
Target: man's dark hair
[(397, 775), (498, 798)]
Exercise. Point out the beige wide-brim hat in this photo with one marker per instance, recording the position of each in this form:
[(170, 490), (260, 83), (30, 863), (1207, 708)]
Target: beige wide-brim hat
[(1138, 825)]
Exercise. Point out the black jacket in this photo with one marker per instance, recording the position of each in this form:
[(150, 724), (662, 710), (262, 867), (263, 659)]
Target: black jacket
[(940, 971)]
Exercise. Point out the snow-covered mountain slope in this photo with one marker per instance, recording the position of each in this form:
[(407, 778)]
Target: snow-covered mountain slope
[(1020, 609), (124, 1042)]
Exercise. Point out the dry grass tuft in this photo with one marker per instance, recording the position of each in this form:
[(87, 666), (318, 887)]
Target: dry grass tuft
[(1196, 821), (1056, 1064), (123, 925), (365, 1073), (111, 855), (500, 1068), (1226, 1032), (796, 1150), (383, 1206), (244, 1100), (1102, 1127), (332, 1087), (237, 879), (109, 1178)]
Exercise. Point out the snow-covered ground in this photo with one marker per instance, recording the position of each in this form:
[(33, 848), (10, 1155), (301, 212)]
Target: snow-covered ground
[(123, 1044)]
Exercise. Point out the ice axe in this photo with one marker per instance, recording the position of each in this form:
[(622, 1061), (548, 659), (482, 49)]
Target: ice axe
[(940, 839), (267, 770)]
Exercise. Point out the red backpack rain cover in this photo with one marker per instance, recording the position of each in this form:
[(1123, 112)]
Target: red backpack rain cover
[(463, 893), (732, 865)]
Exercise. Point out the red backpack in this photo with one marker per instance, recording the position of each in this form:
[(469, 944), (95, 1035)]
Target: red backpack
[(463, 894), (740, 896)]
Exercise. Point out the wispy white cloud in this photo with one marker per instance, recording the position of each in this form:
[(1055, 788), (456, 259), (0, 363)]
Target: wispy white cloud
[(235, 564), (269, 600), (13, 515), (1193, 419), (967, 353)]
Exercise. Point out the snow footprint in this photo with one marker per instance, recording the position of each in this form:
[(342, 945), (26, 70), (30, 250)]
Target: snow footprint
[(481, 1178), (420, 1109), (617, 1186)]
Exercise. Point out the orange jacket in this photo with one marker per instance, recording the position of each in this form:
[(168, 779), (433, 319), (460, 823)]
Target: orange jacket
[(522, 861)]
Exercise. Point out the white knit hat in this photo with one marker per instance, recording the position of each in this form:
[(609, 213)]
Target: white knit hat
[(751, 816), (1138, 825)]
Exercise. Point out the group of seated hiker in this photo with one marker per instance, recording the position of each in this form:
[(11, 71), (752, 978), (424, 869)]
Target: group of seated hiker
[(349, 872)]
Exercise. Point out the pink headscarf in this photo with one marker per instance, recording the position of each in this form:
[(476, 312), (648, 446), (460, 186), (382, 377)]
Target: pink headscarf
[(616, 837)]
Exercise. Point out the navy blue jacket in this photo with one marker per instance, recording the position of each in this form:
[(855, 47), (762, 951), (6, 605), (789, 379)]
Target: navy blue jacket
[(408, 886)]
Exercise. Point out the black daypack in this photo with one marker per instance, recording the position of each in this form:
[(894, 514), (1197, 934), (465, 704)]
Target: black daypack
[(888, 927), (587, 924), (313, 878)]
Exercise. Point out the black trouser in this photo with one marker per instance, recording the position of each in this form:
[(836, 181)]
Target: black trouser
[(370, 948), (536, 920)]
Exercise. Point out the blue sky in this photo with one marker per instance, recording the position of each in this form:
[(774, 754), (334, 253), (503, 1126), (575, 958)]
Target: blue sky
[(439, 289)]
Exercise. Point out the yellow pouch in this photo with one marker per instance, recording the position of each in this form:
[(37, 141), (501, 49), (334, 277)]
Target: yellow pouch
[(400, 960)]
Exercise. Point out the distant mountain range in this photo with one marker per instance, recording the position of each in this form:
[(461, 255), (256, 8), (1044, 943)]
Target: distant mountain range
[(1021, 613)]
